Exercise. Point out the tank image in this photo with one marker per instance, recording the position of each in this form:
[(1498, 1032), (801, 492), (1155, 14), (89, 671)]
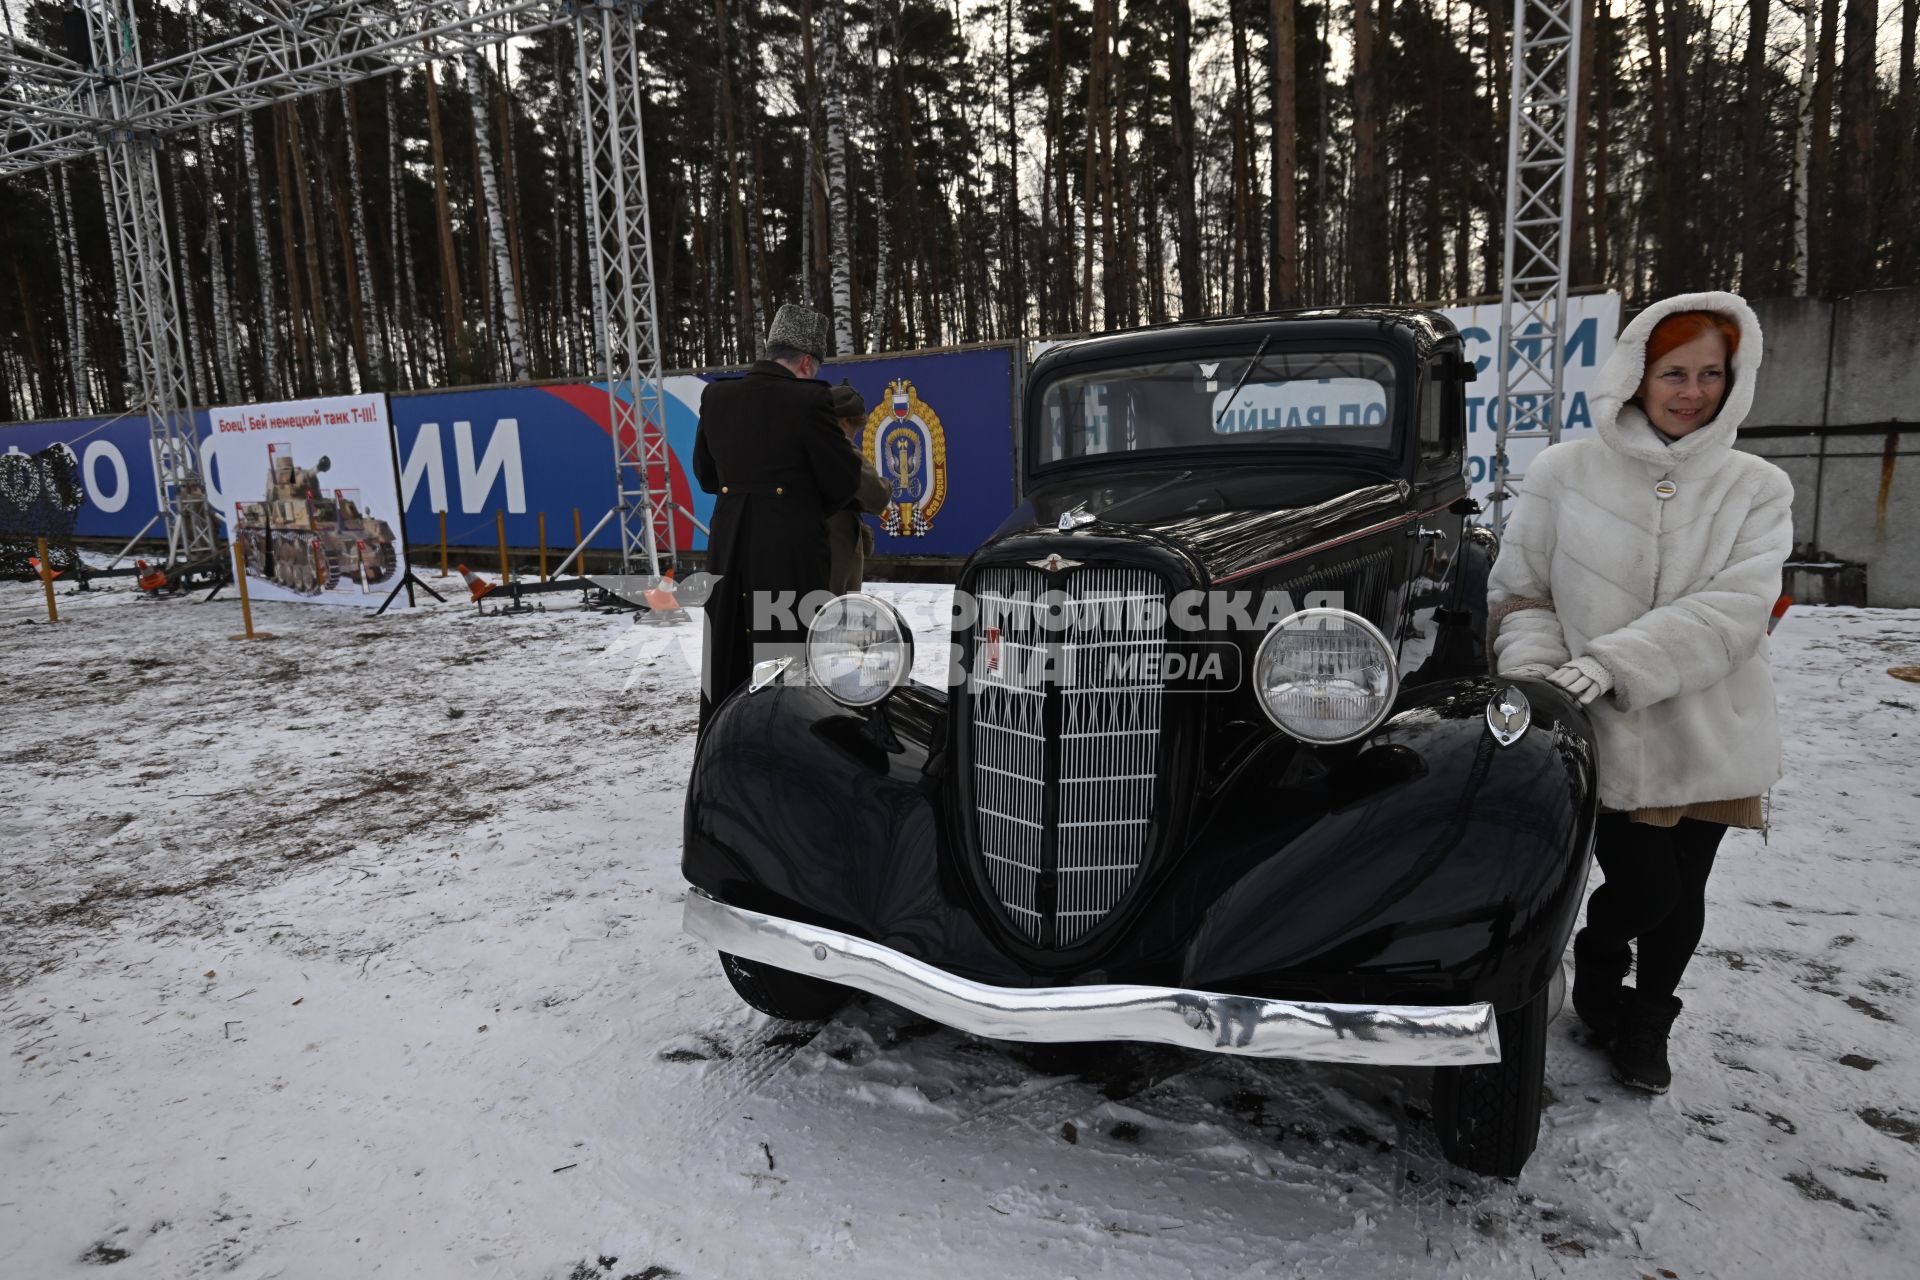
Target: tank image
[(307, 538)]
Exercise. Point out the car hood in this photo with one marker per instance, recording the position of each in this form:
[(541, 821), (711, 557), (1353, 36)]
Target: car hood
[(1228, 524)]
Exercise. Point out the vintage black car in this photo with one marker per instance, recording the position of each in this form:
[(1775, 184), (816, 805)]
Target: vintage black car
[(1219, 764)]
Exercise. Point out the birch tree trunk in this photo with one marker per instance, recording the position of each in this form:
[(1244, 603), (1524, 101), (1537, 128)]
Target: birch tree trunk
[(1820, 152), (376, 354), (510, 197), (217, 276), (129, 372), (496, 219), (842, 267), (71, 303), (1802, 155), (878, 326), (269, 384), (814, 263), (1014, 267)]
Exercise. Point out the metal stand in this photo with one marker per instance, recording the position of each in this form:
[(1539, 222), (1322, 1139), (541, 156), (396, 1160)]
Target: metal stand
[(1543, 126), (408, 580)]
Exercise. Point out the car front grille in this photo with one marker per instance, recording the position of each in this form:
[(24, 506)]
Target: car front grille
[(1064, 734)]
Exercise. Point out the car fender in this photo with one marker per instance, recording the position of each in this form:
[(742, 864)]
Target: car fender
[(1426, 862)]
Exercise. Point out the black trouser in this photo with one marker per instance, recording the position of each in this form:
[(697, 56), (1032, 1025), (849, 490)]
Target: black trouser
[(1655, 892)]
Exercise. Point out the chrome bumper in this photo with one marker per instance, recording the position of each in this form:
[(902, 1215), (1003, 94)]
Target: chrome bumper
[(1377, 1035)]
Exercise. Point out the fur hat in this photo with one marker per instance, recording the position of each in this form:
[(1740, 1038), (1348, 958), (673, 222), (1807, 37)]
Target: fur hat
[(801, 328), (847, 402)]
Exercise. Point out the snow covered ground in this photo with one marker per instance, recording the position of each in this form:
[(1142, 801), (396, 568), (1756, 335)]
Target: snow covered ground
[(356, 952)]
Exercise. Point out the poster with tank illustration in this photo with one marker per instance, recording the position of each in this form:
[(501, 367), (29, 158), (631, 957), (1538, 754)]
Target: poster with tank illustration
[(308, 490)]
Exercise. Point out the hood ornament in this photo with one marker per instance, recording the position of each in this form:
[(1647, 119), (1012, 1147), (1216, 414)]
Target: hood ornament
[(1509, 714), (1075, 519), (1055, 563)]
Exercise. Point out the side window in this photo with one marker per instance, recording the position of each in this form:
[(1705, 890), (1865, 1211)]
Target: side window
[(1439, 417)]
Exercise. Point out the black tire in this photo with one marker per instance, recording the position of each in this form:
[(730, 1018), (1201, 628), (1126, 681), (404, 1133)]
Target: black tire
[(780, 994), (1488, 1117)]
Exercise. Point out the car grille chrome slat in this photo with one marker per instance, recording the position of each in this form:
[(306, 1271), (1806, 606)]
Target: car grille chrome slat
[(1103, 664), (1009, 748)]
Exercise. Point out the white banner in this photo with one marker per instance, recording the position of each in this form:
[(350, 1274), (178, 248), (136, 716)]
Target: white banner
[(307, 488), (1593, 321)]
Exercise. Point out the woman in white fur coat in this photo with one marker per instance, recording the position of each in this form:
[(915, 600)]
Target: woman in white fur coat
[(1637, 573)]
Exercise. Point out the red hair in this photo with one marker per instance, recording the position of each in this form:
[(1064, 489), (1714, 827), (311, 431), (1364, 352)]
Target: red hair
[(1682, 327)]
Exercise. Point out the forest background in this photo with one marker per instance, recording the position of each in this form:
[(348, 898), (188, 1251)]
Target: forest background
[(938, 172)]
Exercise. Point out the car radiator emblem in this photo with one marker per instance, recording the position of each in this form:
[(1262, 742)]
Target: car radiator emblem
[(1055, 563)]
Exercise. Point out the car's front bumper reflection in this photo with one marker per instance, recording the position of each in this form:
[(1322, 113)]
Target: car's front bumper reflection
[(1376, 1035)]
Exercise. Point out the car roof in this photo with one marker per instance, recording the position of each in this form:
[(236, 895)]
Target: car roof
[(1423, 330)]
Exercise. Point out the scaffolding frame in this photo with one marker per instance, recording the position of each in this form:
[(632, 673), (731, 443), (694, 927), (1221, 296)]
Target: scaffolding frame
[(1543, 125), (52, 109)]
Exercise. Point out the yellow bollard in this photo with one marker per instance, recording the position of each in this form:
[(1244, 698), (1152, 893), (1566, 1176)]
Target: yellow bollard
[(543, 546), (500, 524), (46, 580), (246, 605), (443, 544)]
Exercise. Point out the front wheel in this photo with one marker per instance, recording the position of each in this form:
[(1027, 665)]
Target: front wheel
[(1489, 1116), (780, 994)]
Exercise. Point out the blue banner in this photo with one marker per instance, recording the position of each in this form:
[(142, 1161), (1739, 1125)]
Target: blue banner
[(939, 428), (116, 469)]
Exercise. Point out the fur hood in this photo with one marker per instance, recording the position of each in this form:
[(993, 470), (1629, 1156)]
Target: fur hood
[(1626, 429)]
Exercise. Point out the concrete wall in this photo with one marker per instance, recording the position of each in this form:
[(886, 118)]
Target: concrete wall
[(1838, 408)]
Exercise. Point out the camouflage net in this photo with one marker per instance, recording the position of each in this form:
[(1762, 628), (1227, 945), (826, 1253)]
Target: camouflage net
[(40, 496)]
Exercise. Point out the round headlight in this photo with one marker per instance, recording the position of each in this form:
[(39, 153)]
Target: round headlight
[(858, 650), (1326, 676)]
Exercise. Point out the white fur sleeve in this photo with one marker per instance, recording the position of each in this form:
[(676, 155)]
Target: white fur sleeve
[(1523, 629), (1705, 636)]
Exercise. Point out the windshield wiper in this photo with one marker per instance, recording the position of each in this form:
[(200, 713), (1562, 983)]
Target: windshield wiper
[(1146, 493), (1244, 375)]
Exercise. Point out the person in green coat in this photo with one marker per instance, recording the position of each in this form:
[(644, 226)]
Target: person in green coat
[(849, 538)]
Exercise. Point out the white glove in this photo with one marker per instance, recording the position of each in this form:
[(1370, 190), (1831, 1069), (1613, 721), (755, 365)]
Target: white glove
[(1530, 671), (1584, 679)]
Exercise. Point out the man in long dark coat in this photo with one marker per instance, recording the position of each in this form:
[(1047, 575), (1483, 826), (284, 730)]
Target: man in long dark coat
[(771, 449)]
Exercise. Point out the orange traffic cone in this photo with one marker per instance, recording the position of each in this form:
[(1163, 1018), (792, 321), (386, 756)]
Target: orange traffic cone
[(477, 586), (1780, 608), (663, 598), (149, 579), (40, 572)]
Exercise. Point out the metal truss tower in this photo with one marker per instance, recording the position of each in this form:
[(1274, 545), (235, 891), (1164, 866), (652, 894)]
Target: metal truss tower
[(1543, 125), (53, 109), (624, 302), (153, 323)]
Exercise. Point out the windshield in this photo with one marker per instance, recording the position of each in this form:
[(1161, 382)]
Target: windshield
[(1313, 398)]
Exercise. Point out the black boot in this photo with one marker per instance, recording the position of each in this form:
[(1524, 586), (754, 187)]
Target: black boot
[(1598, 968), (1640, 1049)]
